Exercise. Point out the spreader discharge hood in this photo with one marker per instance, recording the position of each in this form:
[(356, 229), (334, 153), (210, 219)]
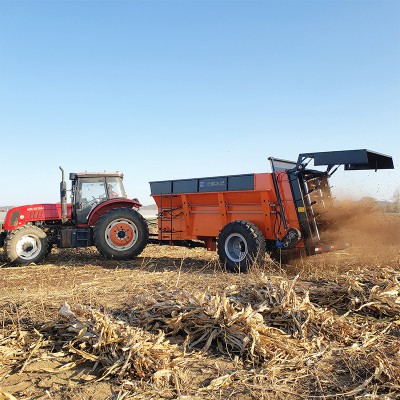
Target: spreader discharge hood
[(351, 159)]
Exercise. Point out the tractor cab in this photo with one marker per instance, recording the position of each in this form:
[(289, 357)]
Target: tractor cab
[(90, 189)]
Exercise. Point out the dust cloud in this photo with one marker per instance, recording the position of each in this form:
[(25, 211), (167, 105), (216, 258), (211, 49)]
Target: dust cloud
[(363, 224)]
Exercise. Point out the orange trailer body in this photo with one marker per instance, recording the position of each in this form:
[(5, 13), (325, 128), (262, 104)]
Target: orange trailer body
[(201, 216)]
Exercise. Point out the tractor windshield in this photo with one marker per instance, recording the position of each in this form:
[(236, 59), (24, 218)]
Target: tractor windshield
[(92, 190)]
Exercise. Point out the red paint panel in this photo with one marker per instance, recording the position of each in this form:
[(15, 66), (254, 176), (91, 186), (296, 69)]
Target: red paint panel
[(34, 212)]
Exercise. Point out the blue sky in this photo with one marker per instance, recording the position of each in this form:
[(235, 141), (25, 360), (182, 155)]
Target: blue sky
[(182, 89)]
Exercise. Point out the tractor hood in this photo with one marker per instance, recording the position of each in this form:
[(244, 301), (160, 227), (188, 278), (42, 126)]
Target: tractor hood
[(19, 216)]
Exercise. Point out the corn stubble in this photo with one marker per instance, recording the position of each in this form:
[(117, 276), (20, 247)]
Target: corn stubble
[(283, 340)]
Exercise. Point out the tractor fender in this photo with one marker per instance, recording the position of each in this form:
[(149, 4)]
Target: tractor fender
[(102, 208)]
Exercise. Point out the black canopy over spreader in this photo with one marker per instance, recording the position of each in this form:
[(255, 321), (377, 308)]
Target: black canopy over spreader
[(351, 159)]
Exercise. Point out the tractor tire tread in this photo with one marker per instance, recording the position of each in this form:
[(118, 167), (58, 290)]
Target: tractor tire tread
[(99, 230), (13, 236)]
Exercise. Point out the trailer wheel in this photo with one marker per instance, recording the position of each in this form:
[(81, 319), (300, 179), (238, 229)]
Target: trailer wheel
[(121, 234), (25, 245), (240, 245)]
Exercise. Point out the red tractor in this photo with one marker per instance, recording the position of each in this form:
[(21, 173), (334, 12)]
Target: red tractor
[(99, 214)]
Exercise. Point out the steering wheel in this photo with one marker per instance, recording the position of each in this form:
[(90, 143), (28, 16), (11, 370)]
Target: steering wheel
[(93, 201)]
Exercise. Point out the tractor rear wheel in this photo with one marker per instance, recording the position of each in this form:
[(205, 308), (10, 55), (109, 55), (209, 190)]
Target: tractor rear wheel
[(121, 234), (25, 245), (240, 245)]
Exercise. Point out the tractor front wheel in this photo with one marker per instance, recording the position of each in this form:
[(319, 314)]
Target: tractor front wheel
[(240, 245), (121, 234), (25, 245)]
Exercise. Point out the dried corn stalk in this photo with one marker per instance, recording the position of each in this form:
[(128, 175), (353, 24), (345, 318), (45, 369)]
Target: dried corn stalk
[(121, 350), (216, 321), (371, 292), (20, 347)]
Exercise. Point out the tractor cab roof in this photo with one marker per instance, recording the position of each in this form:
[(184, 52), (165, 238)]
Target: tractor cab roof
[(75, 175)]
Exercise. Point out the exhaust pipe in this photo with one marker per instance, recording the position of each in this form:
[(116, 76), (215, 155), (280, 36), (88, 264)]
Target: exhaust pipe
[(63, 195)]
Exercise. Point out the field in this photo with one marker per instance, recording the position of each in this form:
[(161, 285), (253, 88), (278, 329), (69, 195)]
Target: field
[(173, 324)]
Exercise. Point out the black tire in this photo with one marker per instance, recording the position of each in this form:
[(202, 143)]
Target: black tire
[(240, 245), (25, 245), (121, 234)]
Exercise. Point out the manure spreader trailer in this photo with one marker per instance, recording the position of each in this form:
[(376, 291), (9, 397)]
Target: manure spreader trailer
[(245, 216)]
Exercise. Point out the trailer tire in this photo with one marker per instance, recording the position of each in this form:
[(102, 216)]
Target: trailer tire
[(25, 245), (240, 245), (121, 234)]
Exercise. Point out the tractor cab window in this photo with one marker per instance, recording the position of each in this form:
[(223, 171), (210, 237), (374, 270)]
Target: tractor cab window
[(92, 190), (88, 194), (115, 188)]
